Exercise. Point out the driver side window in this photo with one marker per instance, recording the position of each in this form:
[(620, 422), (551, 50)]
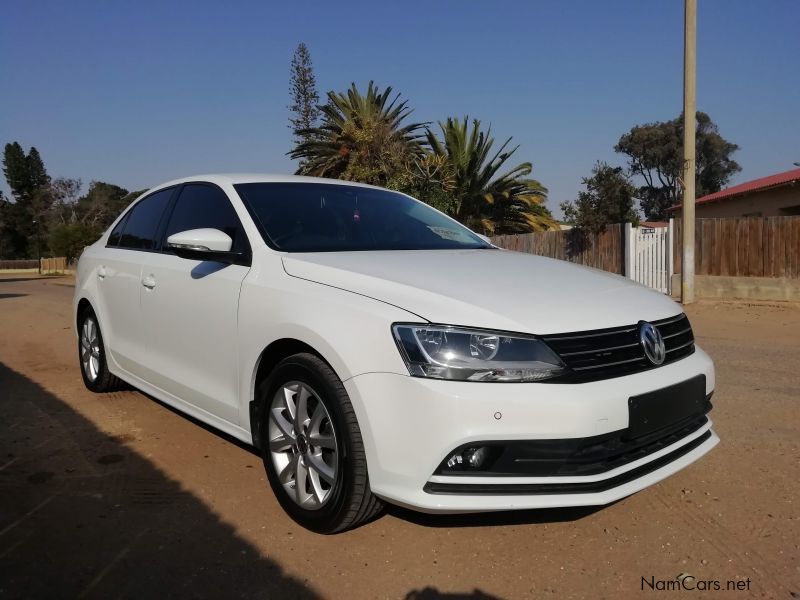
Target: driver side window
[(204, 205)]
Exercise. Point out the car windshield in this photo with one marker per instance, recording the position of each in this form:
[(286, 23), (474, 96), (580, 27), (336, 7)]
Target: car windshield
[(316, 217)]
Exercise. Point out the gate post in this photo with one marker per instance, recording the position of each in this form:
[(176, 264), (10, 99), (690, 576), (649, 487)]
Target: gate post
[(670, 255), (629, 250)]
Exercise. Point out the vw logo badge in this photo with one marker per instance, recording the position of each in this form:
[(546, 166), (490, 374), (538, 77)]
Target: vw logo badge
[(652, 343)]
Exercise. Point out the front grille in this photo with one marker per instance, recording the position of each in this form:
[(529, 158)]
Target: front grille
[(613, 352)]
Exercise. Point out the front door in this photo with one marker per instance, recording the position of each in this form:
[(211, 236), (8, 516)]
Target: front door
[(190, 308)]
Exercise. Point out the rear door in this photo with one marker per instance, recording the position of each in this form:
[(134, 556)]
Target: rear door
[(119, 279), (190, 308)]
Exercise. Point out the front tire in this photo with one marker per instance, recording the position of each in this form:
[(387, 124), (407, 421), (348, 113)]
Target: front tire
[(92, 355), (312, 447)]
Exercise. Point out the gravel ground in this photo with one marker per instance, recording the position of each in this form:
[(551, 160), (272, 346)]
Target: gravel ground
[(117, 496)]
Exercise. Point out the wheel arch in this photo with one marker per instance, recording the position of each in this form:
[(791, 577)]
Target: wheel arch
[(269, 358), (82, 305)]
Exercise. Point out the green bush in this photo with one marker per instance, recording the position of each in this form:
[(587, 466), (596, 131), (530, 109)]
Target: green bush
[(70, 239)]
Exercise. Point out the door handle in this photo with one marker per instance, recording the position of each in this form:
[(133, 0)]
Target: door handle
[(101, 272), (149, 282)]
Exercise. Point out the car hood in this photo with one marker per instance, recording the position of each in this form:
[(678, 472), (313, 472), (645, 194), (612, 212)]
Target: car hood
[(491, 288)]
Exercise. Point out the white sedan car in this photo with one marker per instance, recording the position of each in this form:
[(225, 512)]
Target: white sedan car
[(373, 349)]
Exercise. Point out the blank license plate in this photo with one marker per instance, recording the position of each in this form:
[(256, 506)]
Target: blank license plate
[(659, 409)]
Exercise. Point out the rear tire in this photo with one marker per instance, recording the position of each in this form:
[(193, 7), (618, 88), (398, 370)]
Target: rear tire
[(312, 447), (92, 355)]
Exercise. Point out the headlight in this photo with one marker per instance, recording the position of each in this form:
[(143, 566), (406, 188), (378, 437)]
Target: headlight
[(443, 352)]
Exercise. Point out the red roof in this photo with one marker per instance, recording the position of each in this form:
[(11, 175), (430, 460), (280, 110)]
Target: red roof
[(756, 185)]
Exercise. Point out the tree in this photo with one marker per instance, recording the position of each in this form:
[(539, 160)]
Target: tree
[(80, 221), (482, 199), (304, 94), (430, 178), (6, 243), (98, 208), (102, 204), (362, 137), (25, 218), (65, 194), (608, 199), (69, 239), (37, 174), (24, 173), (15, 169), (655, 153)]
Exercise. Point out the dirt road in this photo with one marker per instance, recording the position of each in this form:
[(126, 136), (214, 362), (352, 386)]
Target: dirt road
[(117, 496)]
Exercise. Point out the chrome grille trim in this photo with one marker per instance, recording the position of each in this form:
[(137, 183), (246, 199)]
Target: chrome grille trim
[(599, 350), (581, 336), (688, 329), (689, 343), (621, 362), (670, 320), (616, 351)]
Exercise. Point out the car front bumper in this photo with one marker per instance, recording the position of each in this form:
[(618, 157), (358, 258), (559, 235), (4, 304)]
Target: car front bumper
[(410, 425)]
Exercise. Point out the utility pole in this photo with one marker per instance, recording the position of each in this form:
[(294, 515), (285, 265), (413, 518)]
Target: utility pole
[(689, 112), (38, 245)]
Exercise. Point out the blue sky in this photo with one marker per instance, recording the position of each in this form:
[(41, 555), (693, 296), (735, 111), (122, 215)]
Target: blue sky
[(135, 93)]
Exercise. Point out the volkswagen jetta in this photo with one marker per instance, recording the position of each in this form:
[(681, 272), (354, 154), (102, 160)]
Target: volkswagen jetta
[(373, 349)]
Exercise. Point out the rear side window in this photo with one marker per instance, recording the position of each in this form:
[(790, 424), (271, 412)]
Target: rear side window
[(200, 206), (141, 225), (116, 233)]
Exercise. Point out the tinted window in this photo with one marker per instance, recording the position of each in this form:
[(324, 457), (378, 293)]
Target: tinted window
[(201, 206), (116, 233), (141, 226), (314, 217)]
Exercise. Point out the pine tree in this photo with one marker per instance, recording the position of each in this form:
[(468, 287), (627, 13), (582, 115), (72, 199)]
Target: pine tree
[(15, 168), (37, 174), (25, 220), (25, 174), (303, 89)]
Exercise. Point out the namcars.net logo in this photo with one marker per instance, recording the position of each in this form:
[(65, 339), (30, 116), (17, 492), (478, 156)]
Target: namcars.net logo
[(689, 583)]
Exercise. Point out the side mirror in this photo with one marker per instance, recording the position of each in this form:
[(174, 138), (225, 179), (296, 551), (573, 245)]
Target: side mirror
[(203, 244)]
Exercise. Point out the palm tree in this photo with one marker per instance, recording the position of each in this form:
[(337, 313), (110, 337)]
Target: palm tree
[(485, 201), (363, 137)]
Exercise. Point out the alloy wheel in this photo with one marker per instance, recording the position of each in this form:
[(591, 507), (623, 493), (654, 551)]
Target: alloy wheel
[(302, 444), (90, 349)]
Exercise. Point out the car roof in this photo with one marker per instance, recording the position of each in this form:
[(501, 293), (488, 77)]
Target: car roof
[(236, 178)]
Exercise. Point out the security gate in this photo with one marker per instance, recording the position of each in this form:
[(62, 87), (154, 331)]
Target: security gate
[(648, 256)]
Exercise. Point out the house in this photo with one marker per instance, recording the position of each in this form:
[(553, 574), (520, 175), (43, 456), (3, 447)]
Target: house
[(653, 224), (774, 196)]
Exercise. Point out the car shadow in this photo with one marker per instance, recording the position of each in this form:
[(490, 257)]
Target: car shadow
[(209, 428), (206, 268), (82, 514)]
